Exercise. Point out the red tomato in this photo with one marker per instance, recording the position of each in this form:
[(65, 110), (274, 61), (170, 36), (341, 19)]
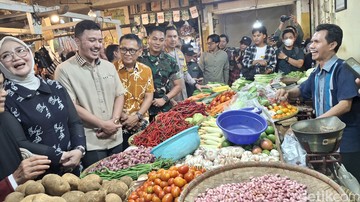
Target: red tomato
[(163, 184), (197, 173), (157, 181), (155, 199), (167, 189), (148, 197), (131, 200), (167, 198), (152, 176), (175, 192), (189, 176), (183, 169), (161, 194), (165, 176), (140, 200), (149, 190), (179, 181), (171, 181), (133, 196), (157, 189), (173, 173)]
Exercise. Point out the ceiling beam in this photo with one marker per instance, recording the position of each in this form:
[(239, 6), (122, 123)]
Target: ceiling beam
[(5, 30), (22, 7), (246, 5)]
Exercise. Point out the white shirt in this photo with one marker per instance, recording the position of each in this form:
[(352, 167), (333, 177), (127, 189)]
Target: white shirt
[(260, 53)]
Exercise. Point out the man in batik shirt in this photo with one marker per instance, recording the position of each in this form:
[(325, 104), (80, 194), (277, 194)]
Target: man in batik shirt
[(138, 82)]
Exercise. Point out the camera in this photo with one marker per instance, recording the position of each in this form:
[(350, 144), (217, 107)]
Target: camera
[(284, 18), (275, 38)]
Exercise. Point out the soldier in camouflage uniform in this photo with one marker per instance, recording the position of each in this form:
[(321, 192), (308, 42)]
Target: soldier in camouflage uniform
[(164, 70)]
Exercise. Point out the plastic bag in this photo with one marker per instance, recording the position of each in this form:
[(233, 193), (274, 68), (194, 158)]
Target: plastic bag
[(346, 179), (292, 150)]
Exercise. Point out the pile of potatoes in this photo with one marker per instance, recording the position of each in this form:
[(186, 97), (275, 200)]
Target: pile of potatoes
[(70, 188)]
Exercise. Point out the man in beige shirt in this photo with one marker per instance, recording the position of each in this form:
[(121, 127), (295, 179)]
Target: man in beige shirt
[(97, 92)]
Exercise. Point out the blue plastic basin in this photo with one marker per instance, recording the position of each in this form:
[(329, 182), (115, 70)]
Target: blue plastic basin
[(241, 127), (179, 145)]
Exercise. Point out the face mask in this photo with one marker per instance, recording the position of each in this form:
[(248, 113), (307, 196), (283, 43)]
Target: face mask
[(288, 42)]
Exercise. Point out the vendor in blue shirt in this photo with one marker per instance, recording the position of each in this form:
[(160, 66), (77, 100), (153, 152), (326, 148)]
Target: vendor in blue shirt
[(43, 108), (332, 88)]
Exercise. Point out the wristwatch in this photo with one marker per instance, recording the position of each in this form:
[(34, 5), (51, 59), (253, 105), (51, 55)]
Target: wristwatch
[(140, 116), (287, 58), (82, 149), (166, 98)]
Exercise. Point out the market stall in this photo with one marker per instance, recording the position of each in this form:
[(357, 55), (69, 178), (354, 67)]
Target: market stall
[(220, 140)]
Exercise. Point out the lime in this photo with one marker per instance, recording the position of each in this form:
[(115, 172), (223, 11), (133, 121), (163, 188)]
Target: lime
[(270, 130), (226, 143), (265, 151), (271, 137), (263, 135)]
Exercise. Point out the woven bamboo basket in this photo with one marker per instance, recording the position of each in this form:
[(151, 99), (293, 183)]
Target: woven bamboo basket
[(86, 171), (131, 138), (319, 186)]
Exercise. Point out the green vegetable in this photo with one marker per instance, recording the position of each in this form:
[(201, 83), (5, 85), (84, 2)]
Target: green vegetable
[(271, 137), (189, 120), (263, 135), (226, 143), (265, 151), (197, 118), (270, 130), (264, 101), (296, 74), (252, 89), (135, 171)]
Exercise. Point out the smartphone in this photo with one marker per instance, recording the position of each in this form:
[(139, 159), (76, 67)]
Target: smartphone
[(354, 66)]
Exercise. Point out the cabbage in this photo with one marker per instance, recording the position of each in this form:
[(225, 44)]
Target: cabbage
[(198, 118)]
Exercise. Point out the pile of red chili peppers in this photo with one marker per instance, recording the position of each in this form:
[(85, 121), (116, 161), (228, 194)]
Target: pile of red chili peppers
[(168, 124), (162, 128), (189, 108)]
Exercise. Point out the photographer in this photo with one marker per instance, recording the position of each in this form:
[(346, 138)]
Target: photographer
[(295, 26), (289, 57)]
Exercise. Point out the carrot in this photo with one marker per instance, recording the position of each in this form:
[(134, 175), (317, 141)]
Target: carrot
[(218, 108), (198, 96)]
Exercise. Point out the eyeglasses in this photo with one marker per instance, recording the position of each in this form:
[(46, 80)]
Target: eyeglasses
[(131, 51), (20, 52), (210, 43)]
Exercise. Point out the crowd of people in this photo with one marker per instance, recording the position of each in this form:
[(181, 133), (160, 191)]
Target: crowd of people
[(101, 96)]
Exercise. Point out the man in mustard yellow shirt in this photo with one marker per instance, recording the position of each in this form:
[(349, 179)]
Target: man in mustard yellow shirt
[(138, 82)]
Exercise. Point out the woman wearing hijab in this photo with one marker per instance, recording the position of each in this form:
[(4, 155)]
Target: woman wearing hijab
[(43, 108), (14, 170)]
